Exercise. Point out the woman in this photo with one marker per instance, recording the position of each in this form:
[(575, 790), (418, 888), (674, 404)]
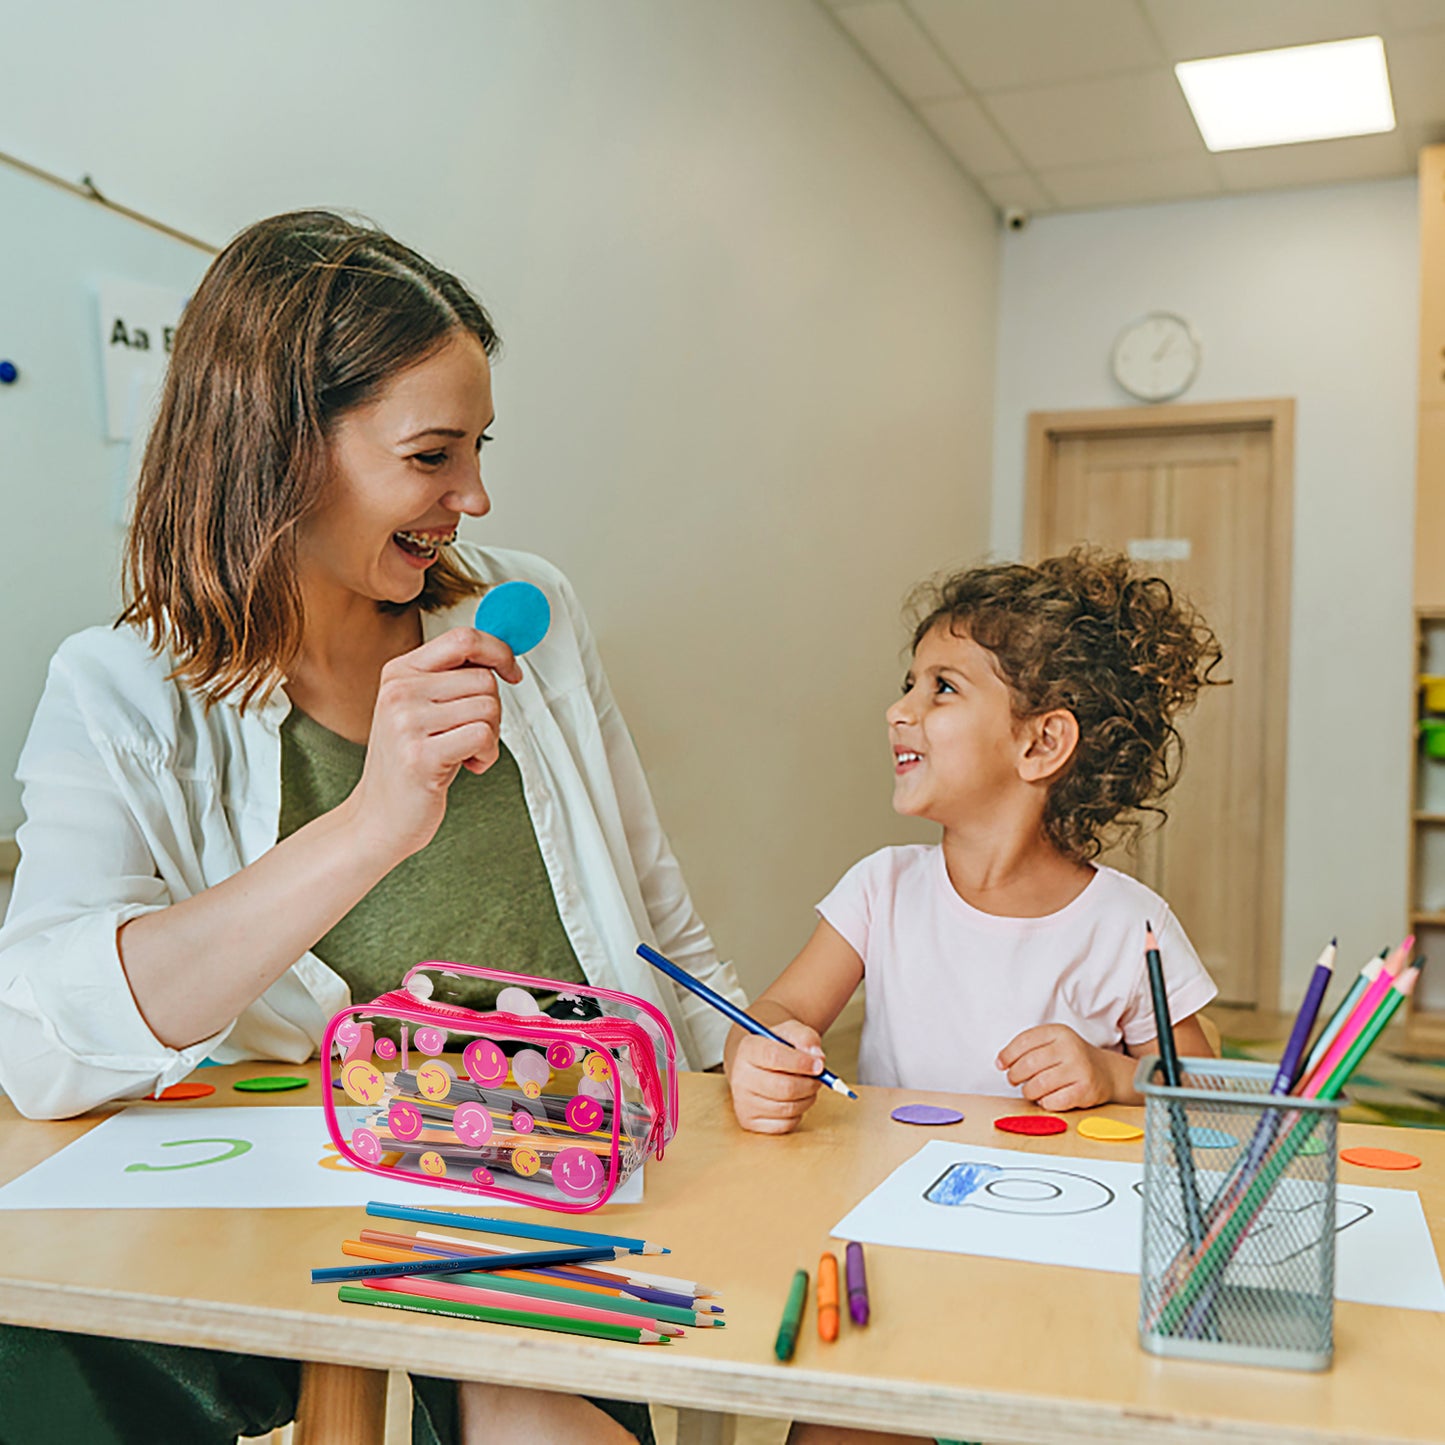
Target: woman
[(292, 769)]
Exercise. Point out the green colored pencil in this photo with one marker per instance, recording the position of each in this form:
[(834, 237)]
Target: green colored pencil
[(425, 1304), (1392, 1001), (1342, 1012)]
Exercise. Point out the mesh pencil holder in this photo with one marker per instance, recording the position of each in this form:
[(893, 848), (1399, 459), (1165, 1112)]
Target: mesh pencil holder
[(1239, 1218)]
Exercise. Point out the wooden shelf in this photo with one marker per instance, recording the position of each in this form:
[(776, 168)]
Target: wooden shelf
[(1430, 920), (1429, 817)]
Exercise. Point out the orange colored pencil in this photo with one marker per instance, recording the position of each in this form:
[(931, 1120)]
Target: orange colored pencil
[(828, 1296)]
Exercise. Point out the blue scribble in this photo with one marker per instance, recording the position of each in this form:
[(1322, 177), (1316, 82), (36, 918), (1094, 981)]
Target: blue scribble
[(959, 1182)]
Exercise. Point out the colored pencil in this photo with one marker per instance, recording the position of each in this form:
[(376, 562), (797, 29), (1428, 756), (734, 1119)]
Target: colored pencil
[(527, 1319), (514, 1227), (585, 1277), (725, 1006), (1399, 991), (1364, 1011), (1289, 1064), (454, 1264), (619, 1270), (858, 1306), (1173, 1078), (504, 1300), (1343, 1009), (828, 1296), (553, 1289), (787, 1340)]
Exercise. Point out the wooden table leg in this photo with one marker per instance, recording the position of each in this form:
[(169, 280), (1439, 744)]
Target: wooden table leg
[(705, 1427), (340, 1405)]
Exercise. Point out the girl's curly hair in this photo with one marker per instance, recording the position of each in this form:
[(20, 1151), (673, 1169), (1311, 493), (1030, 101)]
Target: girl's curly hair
[(1087, 633)]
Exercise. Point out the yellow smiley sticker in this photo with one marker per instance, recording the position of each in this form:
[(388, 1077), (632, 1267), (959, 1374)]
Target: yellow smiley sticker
[(597, 1067), (532, 1089), (434, 1080), (525, 1161), (362, 1081), (433, 1163)]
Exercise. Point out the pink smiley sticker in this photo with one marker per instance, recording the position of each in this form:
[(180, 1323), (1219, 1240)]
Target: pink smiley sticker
[(561, 1055), (386, 1048), (523, 1122), (366, 1144), (430, 1041), (483, 1177), (347, 1033), (404, 1120), (484, 1062), (584, 1114), (578, 1172), (472, 1125)]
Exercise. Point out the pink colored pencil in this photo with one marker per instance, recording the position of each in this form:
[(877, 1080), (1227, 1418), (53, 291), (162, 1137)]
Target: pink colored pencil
[(501, 1299), (1364, 1011)]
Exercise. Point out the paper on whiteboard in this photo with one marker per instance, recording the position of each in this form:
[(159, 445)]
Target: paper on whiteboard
[(160, 1157), (1088, 1214), (137, 327)]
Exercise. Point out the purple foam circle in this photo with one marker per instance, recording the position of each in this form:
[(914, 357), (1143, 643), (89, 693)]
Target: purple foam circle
[(926, 1114)]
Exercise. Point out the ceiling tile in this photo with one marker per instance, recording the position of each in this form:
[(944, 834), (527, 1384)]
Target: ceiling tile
[(1191, 29), (1417, 75), (974, 140), (1000, 44), (1413, 14), (1124, 117), (1019, 192), (1317, 163), (890, 37), (1124, 183)]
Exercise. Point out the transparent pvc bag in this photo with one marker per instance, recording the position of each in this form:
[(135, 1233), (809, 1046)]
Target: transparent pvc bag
[(507, 1103)]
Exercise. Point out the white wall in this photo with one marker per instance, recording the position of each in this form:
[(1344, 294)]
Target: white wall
[(1311, 294), (748, 314)]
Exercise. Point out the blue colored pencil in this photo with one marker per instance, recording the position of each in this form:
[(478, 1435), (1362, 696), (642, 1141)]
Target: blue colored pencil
[(742, 1020), (514, 1227), (462, 1264)]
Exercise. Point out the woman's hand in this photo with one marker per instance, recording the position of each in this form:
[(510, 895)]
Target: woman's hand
[(1057, 1070), (773, 1086), (437, 710)]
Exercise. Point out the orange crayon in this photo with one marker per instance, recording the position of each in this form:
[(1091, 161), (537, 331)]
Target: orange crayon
[(828, 1296)]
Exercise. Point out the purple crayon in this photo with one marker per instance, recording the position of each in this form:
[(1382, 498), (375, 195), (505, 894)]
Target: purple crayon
[(857, 1284)]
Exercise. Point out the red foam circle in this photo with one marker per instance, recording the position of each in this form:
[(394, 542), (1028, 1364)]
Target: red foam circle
[(1030, 1124)]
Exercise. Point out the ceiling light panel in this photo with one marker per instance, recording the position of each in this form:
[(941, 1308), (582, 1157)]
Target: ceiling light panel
[(1282, 97)]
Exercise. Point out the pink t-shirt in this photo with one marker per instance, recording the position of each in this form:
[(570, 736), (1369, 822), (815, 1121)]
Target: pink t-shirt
[(949, 986)]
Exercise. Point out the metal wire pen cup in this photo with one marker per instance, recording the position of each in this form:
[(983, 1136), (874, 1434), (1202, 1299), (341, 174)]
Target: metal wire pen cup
[(1255, 1286)]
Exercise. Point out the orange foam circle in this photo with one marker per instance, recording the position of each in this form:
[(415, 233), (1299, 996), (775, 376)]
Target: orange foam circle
[(1380, 1158), (186, 1091)]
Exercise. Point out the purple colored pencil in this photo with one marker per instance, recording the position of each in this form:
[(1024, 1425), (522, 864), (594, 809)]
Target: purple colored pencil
[(1304, 1022)]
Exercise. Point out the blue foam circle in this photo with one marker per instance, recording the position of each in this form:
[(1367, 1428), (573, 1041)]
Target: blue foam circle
[(8, 372), (516, 612)]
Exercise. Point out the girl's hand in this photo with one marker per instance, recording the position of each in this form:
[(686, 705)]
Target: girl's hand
[(437, 710), (1057, 1070), (772, 1086)]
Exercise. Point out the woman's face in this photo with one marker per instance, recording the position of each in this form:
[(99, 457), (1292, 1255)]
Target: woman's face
[(404, 467)]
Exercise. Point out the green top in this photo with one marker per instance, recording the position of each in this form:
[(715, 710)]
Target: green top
[(478, 893)]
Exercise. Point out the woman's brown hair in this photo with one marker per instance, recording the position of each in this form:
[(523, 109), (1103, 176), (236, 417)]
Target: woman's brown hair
[(301, 318), (1119, 650)]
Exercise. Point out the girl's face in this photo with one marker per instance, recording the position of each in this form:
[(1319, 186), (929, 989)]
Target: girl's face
[(956, 745), (405, 467)]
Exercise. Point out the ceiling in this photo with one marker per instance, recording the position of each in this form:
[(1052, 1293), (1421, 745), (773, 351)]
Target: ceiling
[(1054, 105)]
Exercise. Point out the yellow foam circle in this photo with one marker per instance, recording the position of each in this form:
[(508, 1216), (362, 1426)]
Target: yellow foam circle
[(1112, 1131)]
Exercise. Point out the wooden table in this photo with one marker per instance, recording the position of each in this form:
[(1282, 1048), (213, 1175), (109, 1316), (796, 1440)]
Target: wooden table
[(962, 1347)]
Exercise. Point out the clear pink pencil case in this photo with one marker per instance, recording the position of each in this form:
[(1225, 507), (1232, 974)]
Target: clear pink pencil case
[(509, 1103)]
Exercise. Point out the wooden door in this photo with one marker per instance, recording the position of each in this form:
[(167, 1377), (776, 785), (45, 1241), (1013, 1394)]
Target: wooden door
[(1200, 504)]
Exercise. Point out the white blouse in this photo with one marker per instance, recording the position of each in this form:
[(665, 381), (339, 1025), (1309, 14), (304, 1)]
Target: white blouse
[(136, 797)]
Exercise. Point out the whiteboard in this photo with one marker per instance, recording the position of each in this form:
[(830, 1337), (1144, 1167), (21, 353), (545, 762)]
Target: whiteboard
[(61, 483)]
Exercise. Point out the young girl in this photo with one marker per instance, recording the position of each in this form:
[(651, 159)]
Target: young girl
[(1037, 713)]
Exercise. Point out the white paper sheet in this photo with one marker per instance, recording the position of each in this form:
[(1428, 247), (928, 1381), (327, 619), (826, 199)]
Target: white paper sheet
[(195, 1159), (1088, 1213)]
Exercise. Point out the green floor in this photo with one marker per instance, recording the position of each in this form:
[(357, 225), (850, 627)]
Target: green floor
[(1407, 1092)]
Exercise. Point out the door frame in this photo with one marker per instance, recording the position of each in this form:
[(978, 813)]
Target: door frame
[(1276, 417)]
